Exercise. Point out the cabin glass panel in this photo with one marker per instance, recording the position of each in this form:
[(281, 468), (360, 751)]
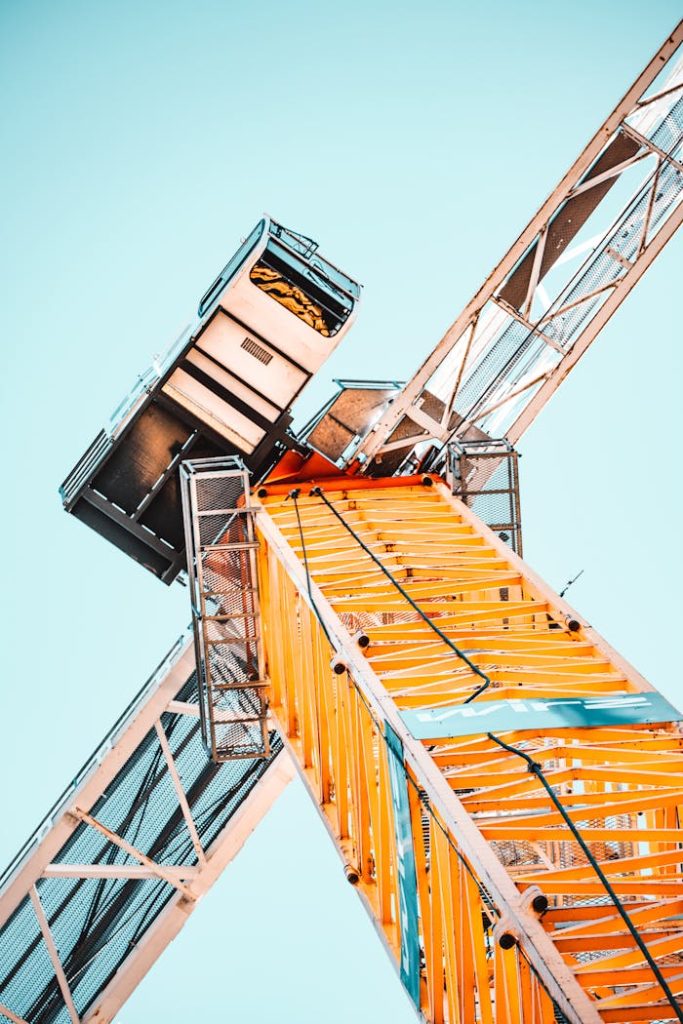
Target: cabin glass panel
[(305, 292)]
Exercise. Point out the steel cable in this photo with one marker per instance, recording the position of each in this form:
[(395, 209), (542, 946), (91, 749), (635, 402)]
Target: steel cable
[(535, 768), (317, 492)]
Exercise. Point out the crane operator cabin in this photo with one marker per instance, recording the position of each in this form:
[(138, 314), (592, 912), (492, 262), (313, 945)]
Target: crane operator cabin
[(267, 323)]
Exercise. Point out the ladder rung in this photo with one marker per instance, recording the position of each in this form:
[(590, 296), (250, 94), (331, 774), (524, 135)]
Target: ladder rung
[(228, 618), (232, 640), (258, 684), (243, 545), (221, 593), (221, 511)]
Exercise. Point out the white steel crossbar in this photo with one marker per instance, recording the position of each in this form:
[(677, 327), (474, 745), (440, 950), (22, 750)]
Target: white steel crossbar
[(132, 851), (15, 1018), (53, 954)]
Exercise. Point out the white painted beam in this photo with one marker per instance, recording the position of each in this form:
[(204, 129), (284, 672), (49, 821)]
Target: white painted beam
[(123, 871), (160, 870), (53, 953), (180, 792)]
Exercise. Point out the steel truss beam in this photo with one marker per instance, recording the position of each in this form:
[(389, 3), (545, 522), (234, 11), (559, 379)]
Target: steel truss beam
[(558, 285), (511, 920), (49, 940), (192, 820)]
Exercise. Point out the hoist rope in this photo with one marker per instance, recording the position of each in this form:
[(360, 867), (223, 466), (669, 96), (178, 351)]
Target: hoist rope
[(422, 796), (317, 492), (294, 494), (535, 768)]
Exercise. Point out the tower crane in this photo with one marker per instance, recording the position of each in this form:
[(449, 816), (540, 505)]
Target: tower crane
[(502, 787)]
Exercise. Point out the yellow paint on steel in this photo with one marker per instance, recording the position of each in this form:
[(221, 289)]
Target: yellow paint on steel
[(623, 787)]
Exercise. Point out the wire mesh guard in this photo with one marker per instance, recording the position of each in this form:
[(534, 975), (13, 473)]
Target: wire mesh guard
[(221, 565), (484, 474)]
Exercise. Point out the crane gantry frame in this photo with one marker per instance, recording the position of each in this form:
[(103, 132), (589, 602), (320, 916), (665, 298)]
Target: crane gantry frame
[(526, 976)]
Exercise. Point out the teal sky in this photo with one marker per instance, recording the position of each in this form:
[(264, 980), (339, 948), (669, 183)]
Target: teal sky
[(140, 141)]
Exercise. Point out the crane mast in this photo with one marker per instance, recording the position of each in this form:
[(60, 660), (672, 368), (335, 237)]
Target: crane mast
[(502, 787)]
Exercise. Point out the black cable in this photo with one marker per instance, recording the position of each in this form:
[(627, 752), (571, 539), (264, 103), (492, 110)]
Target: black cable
[(176, 848), (317, 492), (535, 768), (294, 494)]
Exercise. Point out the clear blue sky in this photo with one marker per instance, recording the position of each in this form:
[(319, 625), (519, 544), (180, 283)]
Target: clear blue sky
[(140, 141)]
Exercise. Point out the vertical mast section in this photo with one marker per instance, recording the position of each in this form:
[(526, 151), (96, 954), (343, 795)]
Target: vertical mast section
[(473, 867)]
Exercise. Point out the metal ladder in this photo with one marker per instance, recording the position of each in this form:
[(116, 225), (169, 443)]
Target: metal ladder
[(221, 566)]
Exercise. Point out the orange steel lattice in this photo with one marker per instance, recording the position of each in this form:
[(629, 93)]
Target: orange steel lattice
[(491, 849)]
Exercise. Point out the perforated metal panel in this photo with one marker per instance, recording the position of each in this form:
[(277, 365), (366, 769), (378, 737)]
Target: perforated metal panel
[(484, 474)]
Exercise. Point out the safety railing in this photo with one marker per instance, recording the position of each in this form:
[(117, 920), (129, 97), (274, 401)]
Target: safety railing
[(145, 383), (485, 475)]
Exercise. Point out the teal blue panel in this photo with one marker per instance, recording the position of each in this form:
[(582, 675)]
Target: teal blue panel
[(407, 874), (535, 714)]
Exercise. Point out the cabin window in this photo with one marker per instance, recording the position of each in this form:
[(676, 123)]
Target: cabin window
[(230, 269), (308, 293)]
